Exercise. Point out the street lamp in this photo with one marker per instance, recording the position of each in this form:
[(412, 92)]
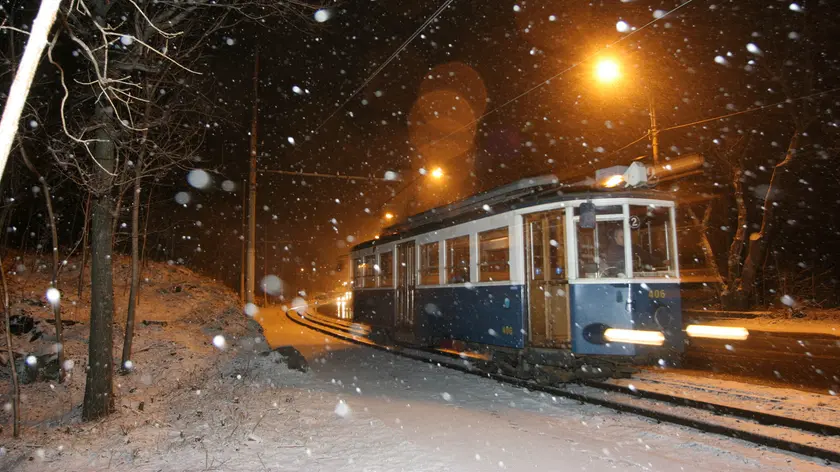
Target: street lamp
[(607, 71), (389, 216), (437, 173)]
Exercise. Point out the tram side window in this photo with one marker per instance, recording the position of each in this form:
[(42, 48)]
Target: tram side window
[(601, 250), (429, 264), (386, 269), (358, 273), (369, 273), (494, 255), (458, 260), (651, 234)]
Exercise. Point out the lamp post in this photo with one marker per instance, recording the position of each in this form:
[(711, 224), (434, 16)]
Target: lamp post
[(608, 70)]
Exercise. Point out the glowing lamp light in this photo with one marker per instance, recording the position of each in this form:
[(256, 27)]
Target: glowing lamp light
[(437, 173), (607, 71), (717, 332), (613, 181), (632, 336), (389, 216)]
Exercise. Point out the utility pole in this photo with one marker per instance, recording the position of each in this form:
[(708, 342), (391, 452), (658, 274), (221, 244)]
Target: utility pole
[(243, 256), (654, 131), (252, 190)]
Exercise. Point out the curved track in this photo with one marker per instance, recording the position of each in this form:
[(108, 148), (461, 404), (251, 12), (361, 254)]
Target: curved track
[(811, 439)]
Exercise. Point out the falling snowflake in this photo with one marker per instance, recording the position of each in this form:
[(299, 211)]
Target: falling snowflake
[(342, 409), (250, 310), (53, 295), (322, 15), (198, 178), (182, 198)]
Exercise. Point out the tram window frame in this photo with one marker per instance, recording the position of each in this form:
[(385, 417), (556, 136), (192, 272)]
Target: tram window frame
[(601, 245), (484, 238), (459, 245), (429, 267), (644, 264), (386, 269), (369, 271), (358, 272)]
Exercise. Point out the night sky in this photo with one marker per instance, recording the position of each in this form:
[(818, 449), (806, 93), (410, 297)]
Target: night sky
[(464, 96)]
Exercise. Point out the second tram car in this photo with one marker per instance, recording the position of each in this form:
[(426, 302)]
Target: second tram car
[(549, 281)]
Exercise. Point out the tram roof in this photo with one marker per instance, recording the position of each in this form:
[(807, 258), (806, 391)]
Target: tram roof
[(520, 194)]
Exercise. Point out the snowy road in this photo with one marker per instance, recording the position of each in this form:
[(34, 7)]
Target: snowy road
[(447, 420)]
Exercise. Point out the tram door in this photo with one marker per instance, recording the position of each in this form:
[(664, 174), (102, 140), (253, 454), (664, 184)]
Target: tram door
[(548, 308), (406, 280)]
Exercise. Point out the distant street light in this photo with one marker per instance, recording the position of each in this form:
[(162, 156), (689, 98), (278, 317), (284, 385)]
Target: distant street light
[(437, 173), (607, 71), (389, 216)]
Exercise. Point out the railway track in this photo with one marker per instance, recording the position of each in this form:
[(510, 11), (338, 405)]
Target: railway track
[(812, 439)]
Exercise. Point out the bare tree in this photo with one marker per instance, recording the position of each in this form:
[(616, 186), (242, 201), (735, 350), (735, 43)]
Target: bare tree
[(131, 50), (56, 264), (15, 384), (24, 76)]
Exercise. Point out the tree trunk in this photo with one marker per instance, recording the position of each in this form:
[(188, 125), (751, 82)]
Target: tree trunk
[(704, 237), (116, 216), (759, 242), (84, 246), (146, 229), (737, 246), (99, 397), (15, 383), (56, 306), (135, 270)]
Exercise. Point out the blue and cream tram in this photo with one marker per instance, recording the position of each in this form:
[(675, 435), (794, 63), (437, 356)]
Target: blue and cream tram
[(540, 276)]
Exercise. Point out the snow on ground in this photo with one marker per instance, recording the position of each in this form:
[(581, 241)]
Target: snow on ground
[(781, 401), (164, 357), (359, 409), (813, 321)]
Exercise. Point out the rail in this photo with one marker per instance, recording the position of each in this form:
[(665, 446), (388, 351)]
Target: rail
[(816, 440)]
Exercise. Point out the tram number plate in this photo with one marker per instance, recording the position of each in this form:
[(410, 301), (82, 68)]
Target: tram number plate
[(507, 330), (656, 294)]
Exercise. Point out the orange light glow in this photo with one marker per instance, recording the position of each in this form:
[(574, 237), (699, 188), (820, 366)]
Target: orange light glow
[(437, 173), (613, 181), (632, 336), (717, 332), (389, 216), (607, 71)]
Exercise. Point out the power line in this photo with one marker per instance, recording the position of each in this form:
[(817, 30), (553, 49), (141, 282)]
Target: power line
[(331, 176), (385, 64), (750, 110), (562, 72), (541, 84)]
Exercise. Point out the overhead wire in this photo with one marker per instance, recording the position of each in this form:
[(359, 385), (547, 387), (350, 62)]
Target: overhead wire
[(541, 84), (382, 66), (750, 110)]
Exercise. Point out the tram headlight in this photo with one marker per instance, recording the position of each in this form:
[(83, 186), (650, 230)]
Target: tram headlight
[(634, 336), (598, 333), (717, 332)]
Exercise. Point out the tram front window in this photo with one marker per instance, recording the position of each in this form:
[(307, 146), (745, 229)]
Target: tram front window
[(651, 234), (600, 250)]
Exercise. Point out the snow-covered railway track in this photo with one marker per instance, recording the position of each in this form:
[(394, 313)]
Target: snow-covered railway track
[(812, 439)]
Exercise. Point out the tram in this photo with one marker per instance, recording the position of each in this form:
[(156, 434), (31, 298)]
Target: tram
[(548, 279)]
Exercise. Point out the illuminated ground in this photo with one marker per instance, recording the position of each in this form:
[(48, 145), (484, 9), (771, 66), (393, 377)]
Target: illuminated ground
[(466, 423)]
